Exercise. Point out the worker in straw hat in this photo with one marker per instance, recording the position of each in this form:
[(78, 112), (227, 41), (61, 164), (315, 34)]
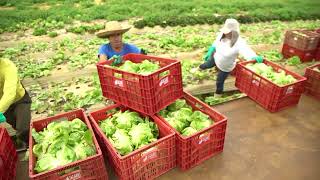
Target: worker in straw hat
[(116, 47), (224, 51)]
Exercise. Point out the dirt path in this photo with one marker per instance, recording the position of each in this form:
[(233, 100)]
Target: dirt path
[(260, 144)]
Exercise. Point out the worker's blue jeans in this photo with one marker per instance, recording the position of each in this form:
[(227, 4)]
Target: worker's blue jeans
[(222, 76)]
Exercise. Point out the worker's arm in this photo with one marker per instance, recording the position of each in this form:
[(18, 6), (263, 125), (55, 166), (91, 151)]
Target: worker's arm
[(246, 51), (212, 48), (9, 88), (102, 58), (102, 53)]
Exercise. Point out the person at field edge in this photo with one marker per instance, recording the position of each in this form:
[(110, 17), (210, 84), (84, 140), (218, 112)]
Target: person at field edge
[(224, 51), (116, 47), (15, 103)]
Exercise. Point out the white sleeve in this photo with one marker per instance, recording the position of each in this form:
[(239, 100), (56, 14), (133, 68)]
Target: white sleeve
[(246, 51)]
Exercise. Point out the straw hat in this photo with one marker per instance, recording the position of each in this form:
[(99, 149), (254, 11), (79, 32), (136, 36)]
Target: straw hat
[(112, 27), (230, 25)]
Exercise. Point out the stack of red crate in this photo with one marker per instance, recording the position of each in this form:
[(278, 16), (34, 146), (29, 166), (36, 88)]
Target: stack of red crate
[(148, 94), (144, 93), (313, 81), (301, 43), (195, 149), (147, 162), (92, 167), (265, 92)]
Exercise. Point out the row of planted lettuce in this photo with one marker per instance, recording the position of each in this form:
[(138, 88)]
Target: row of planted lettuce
[(80, 53)]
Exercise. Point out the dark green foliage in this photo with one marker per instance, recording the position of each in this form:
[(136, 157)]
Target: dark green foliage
[(152, 13)]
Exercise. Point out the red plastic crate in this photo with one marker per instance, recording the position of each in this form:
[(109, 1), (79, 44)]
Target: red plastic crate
[(304, 56), (318, 54), (313, 81), (91, 168), (8, 156), (269, 95), (146, 94), (147, 162), (304, 40), (194, 149), (234, 71)]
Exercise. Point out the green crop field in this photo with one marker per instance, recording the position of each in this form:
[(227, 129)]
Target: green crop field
[(18, 14)]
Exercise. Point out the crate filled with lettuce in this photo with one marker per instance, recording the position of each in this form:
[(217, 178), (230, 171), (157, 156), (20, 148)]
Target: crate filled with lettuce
[(312, 85), (200, 130), (269, 84), (138, 146), (64, 147), (143, 83)]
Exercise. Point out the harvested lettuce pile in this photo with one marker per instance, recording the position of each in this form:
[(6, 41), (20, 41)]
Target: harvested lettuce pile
[(61, 143), (181, 117), (127, 131), (144, 68), (280, 78)]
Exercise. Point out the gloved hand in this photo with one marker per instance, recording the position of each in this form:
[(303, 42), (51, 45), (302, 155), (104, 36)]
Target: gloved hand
[(211, 50), (2, 118), (259, 59), (116, 60)]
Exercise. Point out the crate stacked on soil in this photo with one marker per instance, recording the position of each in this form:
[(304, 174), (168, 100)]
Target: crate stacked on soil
[(200, 130), (302, 43), (270, 85), (64, 147), (8, 156), (313, 81), (144, 92), (137, 146)]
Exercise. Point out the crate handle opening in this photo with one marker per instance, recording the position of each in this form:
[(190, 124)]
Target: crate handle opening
[(70, 173), (202, 139), (117, 75), (164, 74), (148, 156)]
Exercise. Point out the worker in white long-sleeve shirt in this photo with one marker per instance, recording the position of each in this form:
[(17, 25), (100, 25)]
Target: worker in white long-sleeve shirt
[(224, 51)]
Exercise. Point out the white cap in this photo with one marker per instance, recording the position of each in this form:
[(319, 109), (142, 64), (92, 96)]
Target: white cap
[(230, 25)]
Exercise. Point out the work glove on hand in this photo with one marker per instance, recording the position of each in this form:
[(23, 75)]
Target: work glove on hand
[(116, 60), (211, 50), (259, 59), (2, 118)]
